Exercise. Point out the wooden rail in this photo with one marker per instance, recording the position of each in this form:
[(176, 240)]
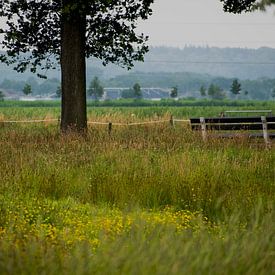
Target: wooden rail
[(259, 123)]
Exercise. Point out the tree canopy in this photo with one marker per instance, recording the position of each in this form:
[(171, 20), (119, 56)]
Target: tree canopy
[(263, 4), (96, 89), (27, 89), (134, 92), (238, 6), (236, 87), (39, 33), (174, 92), (137, 91), (216, 92), (202, 90), (34, 27)]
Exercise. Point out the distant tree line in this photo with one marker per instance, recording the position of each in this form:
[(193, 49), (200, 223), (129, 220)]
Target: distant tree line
[(216, 92), (189, 83), (235, 62), (182, 85), (31, 84)]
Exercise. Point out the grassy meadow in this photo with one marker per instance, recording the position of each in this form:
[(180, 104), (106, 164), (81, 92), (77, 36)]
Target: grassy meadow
[(147, 199)]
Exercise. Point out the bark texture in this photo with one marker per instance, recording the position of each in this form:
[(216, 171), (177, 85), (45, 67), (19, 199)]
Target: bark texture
[(73, 72)]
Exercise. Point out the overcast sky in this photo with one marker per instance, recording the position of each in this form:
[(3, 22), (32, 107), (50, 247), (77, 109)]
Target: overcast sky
[(179, 23), (203, 22)]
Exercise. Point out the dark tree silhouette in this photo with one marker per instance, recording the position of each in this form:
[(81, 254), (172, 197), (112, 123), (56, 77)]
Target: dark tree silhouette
[(203, 90), (134, 92), (236, 87), (95, 88), (238, 6), (39, 32), (174, 92), (27, 90), (137, 91)]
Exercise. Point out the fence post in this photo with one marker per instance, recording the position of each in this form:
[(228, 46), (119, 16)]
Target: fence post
[(265, 131), (172, 122), (58, 122), (203, 129), (110, 126)]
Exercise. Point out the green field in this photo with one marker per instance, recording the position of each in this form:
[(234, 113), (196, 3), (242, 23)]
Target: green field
[(147, 199), (142, 109)]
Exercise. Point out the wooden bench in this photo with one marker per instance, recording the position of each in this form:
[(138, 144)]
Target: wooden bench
[(264, 124)]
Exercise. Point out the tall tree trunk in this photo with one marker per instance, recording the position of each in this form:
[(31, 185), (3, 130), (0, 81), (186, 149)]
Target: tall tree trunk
[(73, 71)]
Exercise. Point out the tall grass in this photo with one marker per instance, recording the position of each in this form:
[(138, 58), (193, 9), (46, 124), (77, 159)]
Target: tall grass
[(147, 166), (68, 203)]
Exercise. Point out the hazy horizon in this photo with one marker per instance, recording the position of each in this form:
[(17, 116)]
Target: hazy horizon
[(180, 23)]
